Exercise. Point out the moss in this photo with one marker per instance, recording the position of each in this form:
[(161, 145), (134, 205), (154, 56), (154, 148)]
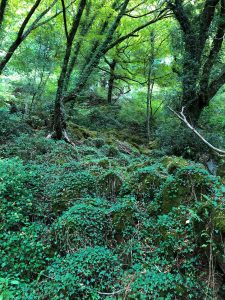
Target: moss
[(186, 186), (219, 219), (80, 132), (110, 184), (110, 151), (172, 163), (221, 169), (173, 194), (153, 144), (145, 182)]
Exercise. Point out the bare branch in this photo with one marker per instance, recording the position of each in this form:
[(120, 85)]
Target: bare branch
[(182, 117)]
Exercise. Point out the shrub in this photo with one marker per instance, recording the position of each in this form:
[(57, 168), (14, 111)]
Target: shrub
[(15, 196), (85, 224), (11, 125), (175, 139), (187, 186), (24, 253), (28, 147), (145, 182), (81, 275)]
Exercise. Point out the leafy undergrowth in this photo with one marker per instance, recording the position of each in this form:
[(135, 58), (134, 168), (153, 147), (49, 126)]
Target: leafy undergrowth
[(102, 220)]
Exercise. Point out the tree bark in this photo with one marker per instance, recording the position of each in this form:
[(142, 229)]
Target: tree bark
[(112, 66), (2, 10), (150, 85), (197, 87), (59, 122)]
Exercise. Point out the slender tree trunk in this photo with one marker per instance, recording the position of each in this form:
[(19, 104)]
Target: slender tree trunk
[(150, 85), (111, 81), (98, 54), (22, 31), (59, 122), (149, 109), (2, 10)]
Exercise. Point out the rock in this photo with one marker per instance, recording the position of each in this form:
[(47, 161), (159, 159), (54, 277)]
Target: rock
[(172, 163)]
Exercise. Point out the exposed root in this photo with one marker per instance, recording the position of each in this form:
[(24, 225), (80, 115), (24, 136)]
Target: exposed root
[(64, 137)]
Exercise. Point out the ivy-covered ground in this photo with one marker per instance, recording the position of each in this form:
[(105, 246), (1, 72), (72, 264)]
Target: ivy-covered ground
[(106, 220)]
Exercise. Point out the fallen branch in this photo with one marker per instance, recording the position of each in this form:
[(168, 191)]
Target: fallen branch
[(182, 117), (111, 294)]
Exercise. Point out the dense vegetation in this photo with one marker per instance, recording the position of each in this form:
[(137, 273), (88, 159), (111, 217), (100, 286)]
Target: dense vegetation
[(112, 165)]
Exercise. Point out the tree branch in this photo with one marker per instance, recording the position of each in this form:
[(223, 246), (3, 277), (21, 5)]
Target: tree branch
[(65, 19), (178, 10), (36, 23), (27, 19), (182, 117), (206, 18), (134, 7), (161, 16), (2, 10), (216, 84)]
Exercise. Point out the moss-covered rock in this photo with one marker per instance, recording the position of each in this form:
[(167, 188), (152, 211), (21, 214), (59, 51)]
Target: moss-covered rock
[(219, 219), (221, 169), (86, 223), (123, 218), (145, 182), (80, 132), (172, 163), (187, 185), (110, 184)]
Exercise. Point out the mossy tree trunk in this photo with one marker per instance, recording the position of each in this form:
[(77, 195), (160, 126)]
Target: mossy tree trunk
[(112, 67), (200, 55)]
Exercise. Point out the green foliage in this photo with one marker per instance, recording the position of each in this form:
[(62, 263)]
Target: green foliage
[(5, 283), (174, 139), (24, 253), (117, 215), (145, 182), (11, 125), (15, 195), (81, 275), (86, 223)]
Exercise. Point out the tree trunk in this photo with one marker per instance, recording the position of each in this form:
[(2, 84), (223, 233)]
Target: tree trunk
[(198, 63), (150, 85), (111, 81), (2, 10), (96, 57), (59, 121)]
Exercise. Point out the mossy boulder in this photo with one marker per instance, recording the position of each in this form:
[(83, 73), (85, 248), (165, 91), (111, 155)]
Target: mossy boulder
[(73, 186), (221, 169), (123, 218), (110, 184), (80, 132), (219, 219), (110, 151), (86, 223), (172, 163), (145, 182), (188, 184)]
